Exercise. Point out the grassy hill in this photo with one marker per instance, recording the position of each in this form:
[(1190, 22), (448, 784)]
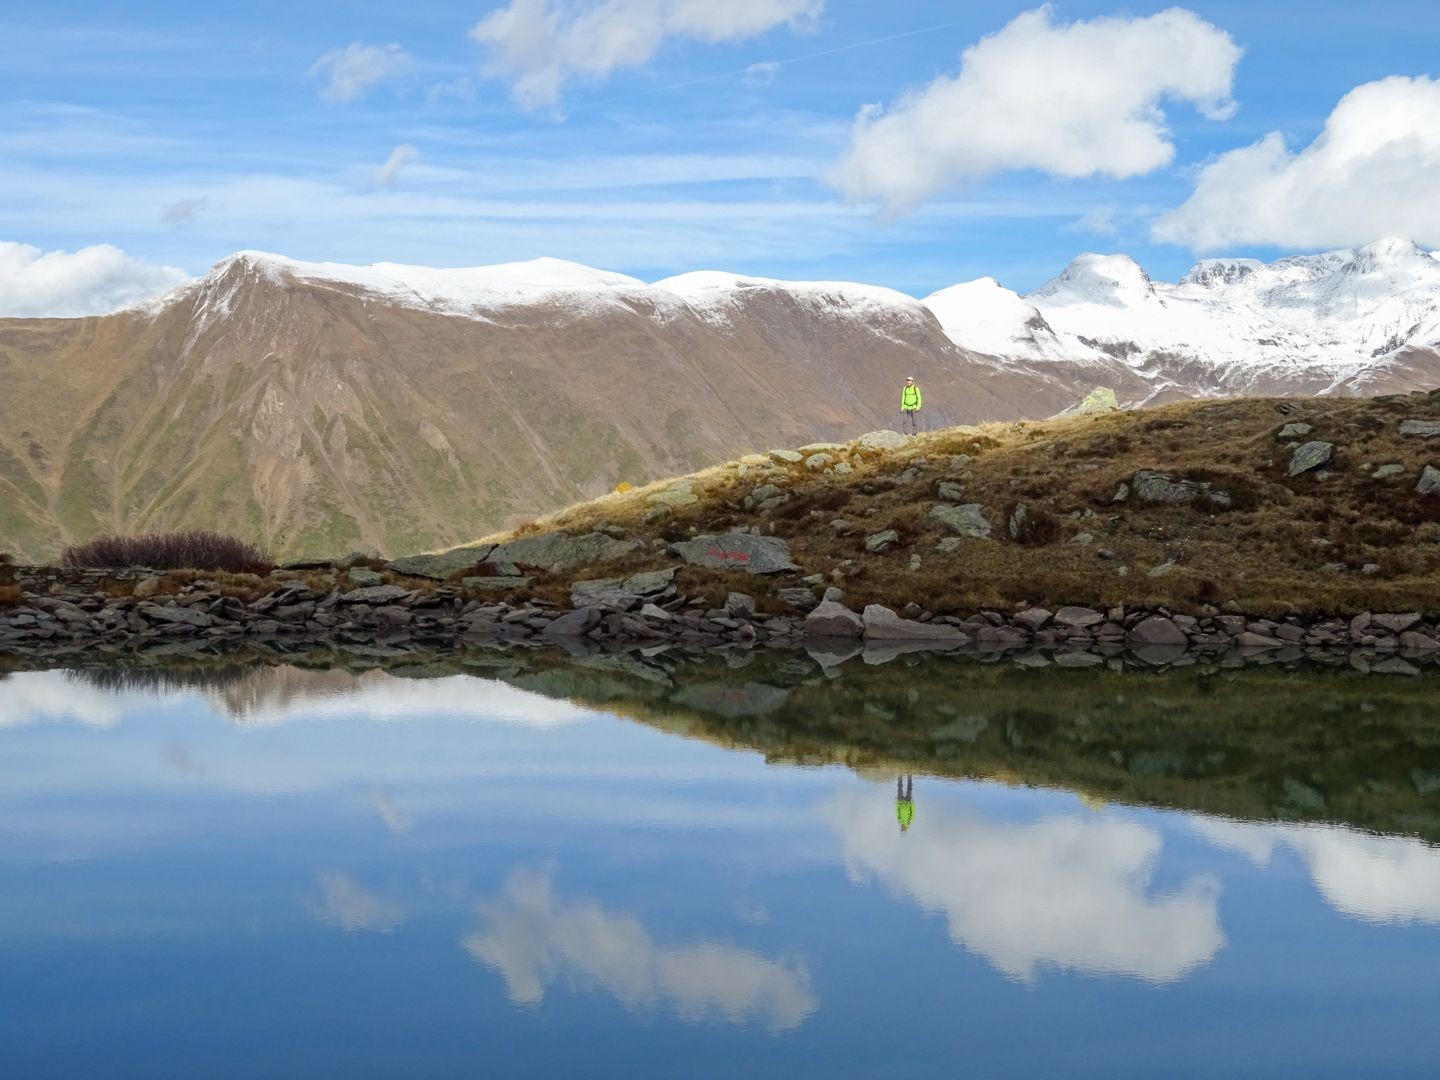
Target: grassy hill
[(1192, 505)]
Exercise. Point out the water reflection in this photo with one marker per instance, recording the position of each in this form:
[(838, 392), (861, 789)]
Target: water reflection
[(534, 939), (1066, 892)]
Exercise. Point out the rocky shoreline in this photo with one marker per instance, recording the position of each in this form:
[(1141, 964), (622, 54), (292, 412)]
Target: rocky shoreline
[(69, 611)]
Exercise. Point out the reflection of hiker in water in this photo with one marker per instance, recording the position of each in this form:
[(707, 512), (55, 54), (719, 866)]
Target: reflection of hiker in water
[(904, 804), (910, 407)]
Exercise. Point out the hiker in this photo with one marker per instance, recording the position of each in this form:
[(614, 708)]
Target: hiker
[(910, 407), (904, 804)]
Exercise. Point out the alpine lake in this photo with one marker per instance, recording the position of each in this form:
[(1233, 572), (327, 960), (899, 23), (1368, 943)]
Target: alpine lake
[(658, 864)]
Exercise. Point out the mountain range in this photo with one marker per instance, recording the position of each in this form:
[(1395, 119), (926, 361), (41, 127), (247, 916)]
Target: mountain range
[(322, 407)]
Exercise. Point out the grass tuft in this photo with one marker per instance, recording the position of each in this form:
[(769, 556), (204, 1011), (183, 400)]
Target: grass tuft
[(194, 550)]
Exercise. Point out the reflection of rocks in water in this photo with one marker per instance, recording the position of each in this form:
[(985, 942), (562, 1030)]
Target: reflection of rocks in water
[(732, 700), (535, 939)]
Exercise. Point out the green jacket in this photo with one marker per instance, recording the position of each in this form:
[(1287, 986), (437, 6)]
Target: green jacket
[(904, 812), (910, 398)]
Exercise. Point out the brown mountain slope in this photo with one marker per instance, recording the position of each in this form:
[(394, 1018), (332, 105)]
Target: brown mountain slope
[(315, 416)]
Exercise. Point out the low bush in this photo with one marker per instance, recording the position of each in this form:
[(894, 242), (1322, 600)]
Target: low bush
[(195, 550)]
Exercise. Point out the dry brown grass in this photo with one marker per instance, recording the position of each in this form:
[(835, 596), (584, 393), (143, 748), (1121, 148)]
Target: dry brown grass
[(11, 595), (1269, 552)]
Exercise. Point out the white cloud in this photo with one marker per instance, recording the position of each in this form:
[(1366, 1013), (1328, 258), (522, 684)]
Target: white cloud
[(401, 156), (538, 46), (182, 212), (350, 72), (1393, 879), (1064, 892), (762, 74), (1073, 100), (534, 939), (1369, 174), (90, 281), (345, 903)]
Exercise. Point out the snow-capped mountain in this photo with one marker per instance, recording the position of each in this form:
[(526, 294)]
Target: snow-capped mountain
[(1329, 321)]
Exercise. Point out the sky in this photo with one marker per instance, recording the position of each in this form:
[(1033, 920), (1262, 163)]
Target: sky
[(913, 145)]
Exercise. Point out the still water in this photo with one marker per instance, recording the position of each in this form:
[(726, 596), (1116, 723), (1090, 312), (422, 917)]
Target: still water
[(505, 865)]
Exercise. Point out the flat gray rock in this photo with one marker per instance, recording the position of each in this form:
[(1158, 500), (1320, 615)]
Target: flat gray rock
[(832, 620), (1157, 488), (881, 541), (1425, 429), (556, 552), (966, 520), (361, 578), (1295, 431), (1078, 618), (882, 624), (737, 551), (440, 566), (376, 594), (1397, 624), (574, 623), (882, 440)]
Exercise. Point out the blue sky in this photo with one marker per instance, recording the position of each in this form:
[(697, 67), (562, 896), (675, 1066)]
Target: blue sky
[(670, 137)]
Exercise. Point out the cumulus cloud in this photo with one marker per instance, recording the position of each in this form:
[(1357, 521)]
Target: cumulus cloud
[(534, 938), (538, 46), (344, 902), (64, 284), (1063, 892), (401, 156), (1073, 100), (348, 73), (1369, 174)]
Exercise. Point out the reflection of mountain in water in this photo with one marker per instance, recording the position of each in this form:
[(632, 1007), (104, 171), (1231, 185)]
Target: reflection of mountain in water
[(1263, 743)]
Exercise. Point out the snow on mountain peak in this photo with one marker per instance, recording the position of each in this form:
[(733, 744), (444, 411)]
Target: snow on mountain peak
[(1114, 280), (1212, 273)]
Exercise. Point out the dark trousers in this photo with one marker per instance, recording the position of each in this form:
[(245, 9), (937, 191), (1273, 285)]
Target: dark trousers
[(910, 421)]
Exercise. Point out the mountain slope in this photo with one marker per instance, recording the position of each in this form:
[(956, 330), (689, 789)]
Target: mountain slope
[(318, 408)]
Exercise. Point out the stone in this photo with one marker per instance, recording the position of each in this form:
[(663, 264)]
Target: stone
[(831, 620), (1251, 640), (915, 563), (1425, 429), (1311, 455), (1157, 488), (498, 583), (440, 566), (764, 493), (959, 461), (881, 541), (658, 513), (1156, 630), (799, 599), (967, 520), (1084, 539), (740, 605), (574, 623), (882, 624), (881, 440), (1078, 618), (816, 462), (1018, 524), (948, 545), (1100, 400), (1388, 471), (950, 491), (1163, 570), (1295, 431), (147, 587), (557, 552), (843, 468), (1397, 624), (1122, 494), (654, 611), (1412, 641), (786, 457), (362, 578), (673, 497), (737, 551), (821, 448), (1036, 618), (1429, 483), (176, 615), (376, 594)]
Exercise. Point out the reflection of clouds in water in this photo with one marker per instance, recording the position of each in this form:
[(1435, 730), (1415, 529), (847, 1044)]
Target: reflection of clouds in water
[(534, 939), (33, 697), (1376, 878), (283, 695), (391, 813), (345, 903), (1066, 892)]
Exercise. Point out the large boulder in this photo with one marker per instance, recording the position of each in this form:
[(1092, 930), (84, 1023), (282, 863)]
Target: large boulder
[(375, 594), (613, 594), (1311, 455), (882, 624), (574, 623), (750, 552), (557, 552), (1429, 483), (1157, 488), (832, 620), (441, 565), (966, 520), (1156, 630), (882, 440), (1425, 429)]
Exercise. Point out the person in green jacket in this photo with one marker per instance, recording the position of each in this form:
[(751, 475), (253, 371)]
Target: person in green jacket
[(910, 407), (904, 802)]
